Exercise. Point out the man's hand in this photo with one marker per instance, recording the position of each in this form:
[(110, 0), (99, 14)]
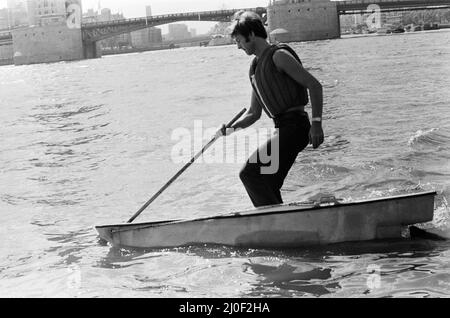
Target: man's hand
[(316, 137), (224, 131)]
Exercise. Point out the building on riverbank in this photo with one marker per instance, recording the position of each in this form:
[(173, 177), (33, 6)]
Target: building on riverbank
[(4, 22), (178, 31), (17, 13), (146, 38)]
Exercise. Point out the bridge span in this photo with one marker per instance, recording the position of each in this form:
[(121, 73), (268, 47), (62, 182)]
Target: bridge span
[(97, 31)]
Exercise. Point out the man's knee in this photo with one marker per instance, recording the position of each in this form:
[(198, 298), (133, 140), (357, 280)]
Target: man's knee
[(247, 173), (243, 175)]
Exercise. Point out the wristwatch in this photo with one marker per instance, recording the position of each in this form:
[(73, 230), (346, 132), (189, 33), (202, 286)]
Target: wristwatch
[(317, 119)]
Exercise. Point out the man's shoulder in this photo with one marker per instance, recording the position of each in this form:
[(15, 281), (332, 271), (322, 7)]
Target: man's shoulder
[(284, 52), (283, 49)]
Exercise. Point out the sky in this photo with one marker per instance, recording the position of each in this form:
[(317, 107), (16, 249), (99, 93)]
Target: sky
[(136, 8)]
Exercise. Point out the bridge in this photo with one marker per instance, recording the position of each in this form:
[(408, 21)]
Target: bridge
[(96, 31)]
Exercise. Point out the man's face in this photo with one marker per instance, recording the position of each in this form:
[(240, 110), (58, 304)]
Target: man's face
[(247, 46)]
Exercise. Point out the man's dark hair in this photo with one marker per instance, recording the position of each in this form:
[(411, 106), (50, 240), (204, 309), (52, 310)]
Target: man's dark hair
[(246, 22)]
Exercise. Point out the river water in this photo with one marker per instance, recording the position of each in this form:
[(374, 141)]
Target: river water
[(87, 143)]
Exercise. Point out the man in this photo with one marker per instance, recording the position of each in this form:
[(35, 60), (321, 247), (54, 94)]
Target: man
[(280, 88)]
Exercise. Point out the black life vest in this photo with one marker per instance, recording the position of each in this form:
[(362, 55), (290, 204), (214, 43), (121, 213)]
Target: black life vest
[(276, 91)]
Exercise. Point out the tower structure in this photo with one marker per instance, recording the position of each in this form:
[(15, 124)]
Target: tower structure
[(303, 20)]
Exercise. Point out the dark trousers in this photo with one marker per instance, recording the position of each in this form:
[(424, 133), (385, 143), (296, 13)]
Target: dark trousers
[(291, 137)]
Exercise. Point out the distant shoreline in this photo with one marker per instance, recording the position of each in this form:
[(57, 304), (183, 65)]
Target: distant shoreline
[(351, 36), (137, 50)]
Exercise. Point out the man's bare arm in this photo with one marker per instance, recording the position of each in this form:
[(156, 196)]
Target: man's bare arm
[(251, 116), (287, 63)]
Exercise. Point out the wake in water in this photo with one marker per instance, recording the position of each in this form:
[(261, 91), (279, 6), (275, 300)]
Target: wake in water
[(431, 153), (431, 138)]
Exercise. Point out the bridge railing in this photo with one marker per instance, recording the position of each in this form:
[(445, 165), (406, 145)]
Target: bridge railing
[(5, 35)]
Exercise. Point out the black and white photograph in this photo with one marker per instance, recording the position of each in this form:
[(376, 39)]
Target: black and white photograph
[(224, 154)]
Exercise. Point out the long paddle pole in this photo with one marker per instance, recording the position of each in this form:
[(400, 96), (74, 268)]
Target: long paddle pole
[(183, 169)]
